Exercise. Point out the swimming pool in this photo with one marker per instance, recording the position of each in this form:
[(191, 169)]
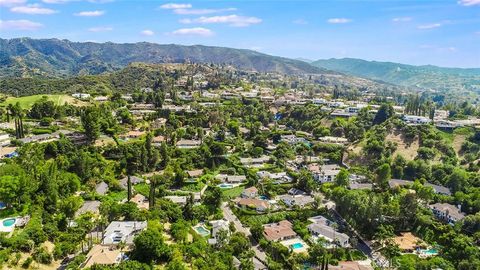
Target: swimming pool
[(201, 230), (430, 252), (225, 186), (3, 205), (262, 197), (8, 222), (296, 245)]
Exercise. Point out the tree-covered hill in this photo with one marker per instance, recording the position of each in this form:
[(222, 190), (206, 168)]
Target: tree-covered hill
[(25, 57), (428, 76)]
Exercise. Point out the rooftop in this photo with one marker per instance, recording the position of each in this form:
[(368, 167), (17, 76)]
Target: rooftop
[(102, 255), (122, 231), (277, 231)]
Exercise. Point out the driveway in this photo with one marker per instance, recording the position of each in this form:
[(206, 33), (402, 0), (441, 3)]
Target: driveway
[(230, 216)]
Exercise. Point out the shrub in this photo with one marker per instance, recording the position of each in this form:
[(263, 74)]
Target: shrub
[(42, 255), (27, 262)]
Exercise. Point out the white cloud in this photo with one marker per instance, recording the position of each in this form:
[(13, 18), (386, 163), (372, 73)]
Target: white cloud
[(185, 11), (33, 9), (468, 3), (300, 21), (9, 3), (100, 29), (429, 26), (402, 19), (19, 25), (175, 6), (338, 20), (232, 20), (93, 13), (147, 32), (196, 31)]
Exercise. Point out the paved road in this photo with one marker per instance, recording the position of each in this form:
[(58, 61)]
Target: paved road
[(230, 216)]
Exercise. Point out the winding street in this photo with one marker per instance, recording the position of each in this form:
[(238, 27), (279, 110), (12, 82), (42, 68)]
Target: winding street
[(259, 254)]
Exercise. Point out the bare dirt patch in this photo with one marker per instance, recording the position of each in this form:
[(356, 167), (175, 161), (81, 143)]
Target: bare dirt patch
[(458, 140), (406, 147)]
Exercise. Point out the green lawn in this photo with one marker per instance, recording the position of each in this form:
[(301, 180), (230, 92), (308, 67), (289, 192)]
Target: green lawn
[(143, 189), (233, 192), (27, 101)]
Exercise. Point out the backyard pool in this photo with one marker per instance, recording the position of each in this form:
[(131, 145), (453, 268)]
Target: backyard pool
[(8, 222), (3, 205), (262, 197), (429, 252), (297, 245), (201, 230), (225, 186), (7, 225)]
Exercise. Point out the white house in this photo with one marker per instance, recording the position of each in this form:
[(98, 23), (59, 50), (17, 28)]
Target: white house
[(447, 212), (232, 179), (296, 200), (416, 120), (122, 231), (4, 139), (81, 96), (188, 144), (250, 192), (278, 178), (324, 173)]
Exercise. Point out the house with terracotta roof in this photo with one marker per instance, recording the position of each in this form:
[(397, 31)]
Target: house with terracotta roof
[(158, 140), (279, 231), (258, 205), (193, 174), (102, 255), (133, 134), (351, 265)]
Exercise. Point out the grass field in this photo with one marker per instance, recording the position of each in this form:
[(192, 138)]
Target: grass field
[(233, 192), (27, 101)]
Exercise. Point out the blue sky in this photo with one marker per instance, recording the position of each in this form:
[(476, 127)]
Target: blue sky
[(443, 32)]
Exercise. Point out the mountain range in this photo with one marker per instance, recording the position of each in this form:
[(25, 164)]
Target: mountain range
[(24, 57), (423, 77), (53, 58)]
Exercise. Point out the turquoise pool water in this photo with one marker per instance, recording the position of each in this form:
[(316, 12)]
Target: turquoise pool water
[(297, 246), (225, 186), (431, 251), (202, 231), (8, 222)]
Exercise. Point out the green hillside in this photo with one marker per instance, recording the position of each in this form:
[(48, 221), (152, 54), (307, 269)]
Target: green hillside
[(26, 57), (426, 77)]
